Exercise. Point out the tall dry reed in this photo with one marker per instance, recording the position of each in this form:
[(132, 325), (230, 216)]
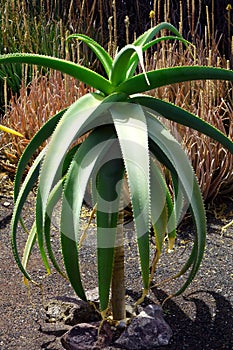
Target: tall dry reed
[(211, 101), (37, 102), (113, 23)]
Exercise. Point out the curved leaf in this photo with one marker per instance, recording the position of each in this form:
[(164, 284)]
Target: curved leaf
[(133, 60), (145, 42), (19, 203), (83, 164), (181, 116), (74, 70), (72, 125), (163, 38), (131, 128), (108, 199), (43, 134), (79, 118), (172, 75), (187, 180), (28, 246), (120, 65), (55, 196), (162, 211), (159, 210), (164, 160), (150, 33), (178, 193), (102, 54)]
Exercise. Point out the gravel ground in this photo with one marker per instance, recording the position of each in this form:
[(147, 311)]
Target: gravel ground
[(201, 319)]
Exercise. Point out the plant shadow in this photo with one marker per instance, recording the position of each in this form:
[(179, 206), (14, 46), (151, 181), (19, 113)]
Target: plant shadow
[(211, 328)]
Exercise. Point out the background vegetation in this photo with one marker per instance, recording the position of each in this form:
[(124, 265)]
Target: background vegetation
[(42, 27)]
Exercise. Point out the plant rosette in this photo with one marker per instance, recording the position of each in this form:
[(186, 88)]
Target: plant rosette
[(126, 141)]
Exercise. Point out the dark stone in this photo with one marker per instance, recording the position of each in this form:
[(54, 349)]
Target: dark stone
[(85, 336), (71, 313), (147, 330)]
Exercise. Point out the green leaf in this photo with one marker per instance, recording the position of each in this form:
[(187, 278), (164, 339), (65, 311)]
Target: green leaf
[(159, 213), (74, 70), (179, 164), (102, 54), (121, 64), (162, 210), (183, 117), (145, 42), (74, 123), (150, 33), (70, 257), (172, 75), (108, 199), (164, 38), (43, 134), (84, 163), (20, 195), (19, 203), (83, 115), (131, 128), (28, 246), (55, 196)]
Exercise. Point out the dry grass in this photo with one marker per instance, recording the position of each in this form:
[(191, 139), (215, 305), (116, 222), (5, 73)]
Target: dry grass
[(210, 100), (38, 101)]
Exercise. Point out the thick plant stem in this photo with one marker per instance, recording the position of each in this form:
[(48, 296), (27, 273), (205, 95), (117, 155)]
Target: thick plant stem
[(118, 279)]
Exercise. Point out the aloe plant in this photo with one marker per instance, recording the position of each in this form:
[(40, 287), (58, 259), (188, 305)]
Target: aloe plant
[(126, 142)]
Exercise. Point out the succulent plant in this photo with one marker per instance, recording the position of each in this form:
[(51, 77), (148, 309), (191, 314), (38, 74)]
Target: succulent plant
[(126, 142)]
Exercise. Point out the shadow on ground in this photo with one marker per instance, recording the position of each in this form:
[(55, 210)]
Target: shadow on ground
[(212, 327)]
